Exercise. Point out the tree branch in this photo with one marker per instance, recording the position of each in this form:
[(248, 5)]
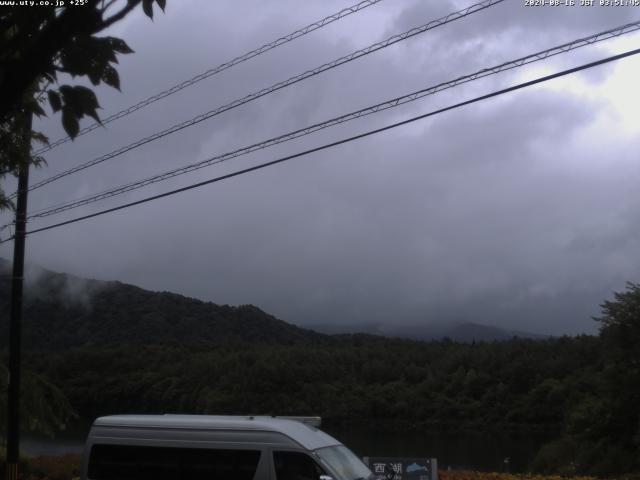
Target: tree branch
[(107, 6), (120, 15)]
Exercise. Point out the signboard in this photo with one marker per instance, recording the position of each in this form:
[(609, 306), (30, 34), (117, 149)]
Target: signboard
[(392, 468)]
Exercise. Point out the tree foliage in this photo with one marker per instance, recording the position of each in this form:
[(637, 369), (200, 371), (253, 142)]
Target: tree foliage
[(115, 348), (39, 44), (45, 409), (620, 333)]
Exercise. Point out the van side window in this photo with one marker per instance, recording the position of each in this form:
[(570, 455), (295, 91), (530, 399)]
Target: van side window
[(295, 466), (125, 462)]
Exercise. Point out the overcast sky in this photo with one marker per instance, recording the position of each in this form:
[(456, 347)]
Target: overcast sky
[(522, 211)]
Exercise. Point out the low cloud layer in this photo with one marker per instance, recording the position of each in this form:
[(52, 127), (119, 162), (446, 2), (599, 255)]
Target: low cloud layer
[(519, 212)]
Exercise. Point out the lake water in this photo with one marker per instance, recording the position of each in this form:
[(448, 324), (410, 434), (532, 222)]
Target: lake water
[(474, 451)]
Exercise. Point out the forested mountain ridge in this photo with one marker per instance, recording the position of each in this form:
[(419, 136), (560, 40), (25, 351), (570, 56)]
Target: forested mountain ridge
[(62, 311), (115, 348)]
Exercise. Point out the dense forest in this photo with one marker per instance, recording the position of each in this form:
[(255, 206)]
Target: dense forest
[(94, 348)]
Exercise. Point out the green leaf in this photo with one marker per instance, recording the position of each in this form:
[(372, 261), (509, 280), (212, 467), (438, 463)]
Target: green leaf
[(94, 76), (119, 45), (71, 103), (37, 110), (147, 6), (54, 100), (104, 51), (70, 122), (75, 58), (110, 77), (87, 98), (93, 114), (92, 57), (66, 91), (78, 102), (39, 161), (88, 102), (40, 137)]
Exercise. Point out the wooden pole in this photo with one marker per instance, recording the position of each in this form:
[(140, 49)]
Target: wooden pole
[(15, 322)]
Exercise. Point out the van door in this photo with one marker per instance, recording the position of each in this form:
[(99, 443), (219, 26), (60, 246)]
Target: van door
[(295, 465)]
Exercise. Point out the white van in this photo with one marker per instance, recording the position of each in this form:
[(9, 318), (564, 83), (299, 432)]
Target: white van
[(190, 447)]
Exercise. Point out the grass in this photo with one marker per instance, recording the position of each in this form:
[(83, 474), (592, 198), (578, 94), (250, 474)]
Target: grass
[(63, 467), (67, 467)]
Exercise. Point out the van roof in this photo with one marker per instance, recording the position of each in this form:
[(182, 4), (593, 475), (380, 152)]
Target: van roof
[(306, 435)]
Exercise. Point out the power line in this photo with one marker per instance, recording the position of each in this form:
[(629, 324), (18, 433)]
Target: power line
[(213, 71), (611, 33), (345, 140), (277, 86)]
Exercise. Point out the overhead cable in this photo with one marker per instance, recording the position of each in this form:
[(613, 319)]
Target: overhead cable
[(340, 142), (277, 86), (394, 102), (213, 71)]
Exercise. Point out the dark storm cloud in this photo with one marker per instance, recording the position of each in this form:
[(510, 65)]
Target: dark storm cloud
[(518, 20), (510, 212)]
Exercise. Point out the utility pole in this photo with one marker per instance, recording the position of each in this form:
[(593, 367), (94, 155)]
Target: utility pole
[(15, 322)]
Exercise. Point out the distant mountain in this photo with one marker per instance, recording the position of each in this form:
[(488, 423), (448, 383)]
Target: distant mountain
[(63, 311), (460, 332)]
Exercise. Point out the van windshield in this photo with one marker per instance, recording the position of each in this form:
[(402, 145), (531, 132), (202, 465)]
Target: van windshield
[(344, 463)]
